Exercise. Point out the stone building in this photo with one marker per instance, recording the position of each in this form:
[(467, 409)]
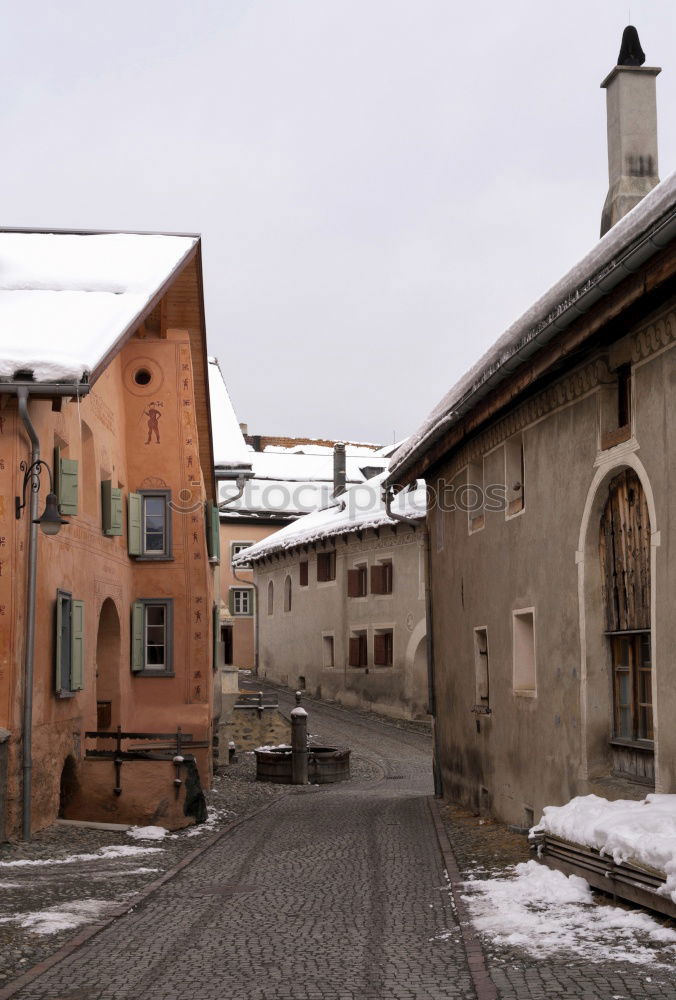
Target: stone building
[(552, 520), (103, 381), (342, 602)]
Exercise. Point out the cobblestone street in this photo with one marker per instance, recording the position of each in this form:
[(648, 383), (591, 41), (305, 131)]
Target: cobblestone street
[(337, 893)]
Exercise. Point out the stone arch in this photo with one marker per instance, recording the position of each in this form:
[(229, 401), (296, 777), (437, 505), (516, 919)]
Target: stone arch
[(596, 707), (108, 666)]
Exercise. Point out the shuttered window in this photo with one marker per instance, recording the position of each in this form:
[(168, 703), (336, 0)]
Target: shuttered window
[(383, 648), (149, 524), (152, 636), (240, 601), (111, 508), (68, 644), (382, 578), (66, 481), (303, 573), (326, 566), (357, 582), (358, 650)]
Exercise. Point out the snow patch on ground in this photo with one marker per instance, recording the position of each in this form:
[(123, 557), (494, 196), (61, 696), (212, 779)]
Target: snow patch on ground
[(215, 816), (147, 832), (545, 912), (103, 854), (643, 832), (62, 917)]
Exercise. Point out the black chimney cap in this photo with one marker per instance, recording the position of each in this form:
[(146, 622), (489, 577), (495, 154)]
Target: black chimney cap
[(631, 53)]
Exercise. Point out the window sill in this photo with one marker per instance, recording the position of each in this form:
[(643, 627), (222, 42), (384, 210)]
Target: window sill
[(525, 694), (146, 558), (153, 673), (618, 436), (647, 746), (63, 694)]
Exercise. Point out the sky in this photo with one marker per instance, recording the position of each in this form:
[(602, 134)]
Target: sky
[(382, 187)]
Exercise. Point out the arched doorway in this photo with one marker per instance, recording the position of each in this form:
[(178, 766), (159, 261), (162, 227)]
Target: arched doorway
[(108, 667), (624, 548)]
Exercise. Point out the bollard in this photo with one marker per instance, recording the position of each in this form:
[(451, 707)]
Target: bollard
[(299, 747), (299, 695)]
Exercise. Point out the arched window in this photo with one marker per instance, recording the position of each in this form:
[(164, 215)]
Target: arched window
[(90, 478), (287, 594), (625, 565), (271, 597)]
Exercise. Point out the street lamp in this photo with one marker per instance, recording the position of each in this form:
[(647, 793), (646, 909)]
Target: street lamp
[(51, 520)]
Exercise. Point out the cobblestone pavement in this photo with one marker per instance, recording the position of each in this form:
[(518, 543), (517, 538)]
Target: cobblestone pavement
[(336, 892)]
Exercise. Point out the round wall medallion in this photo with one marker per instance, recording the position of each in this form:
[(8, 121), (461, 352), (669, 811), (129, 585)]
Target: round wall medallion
[(143, 376)]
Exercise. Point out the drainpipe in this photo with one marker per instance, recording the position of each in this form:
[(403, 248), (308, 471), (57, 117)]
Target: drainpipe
[(22, 392), (429, 640)]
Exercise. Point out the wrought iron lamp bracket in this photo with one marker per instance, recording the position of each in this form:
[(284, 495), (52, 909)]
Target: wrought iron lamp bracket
[(31, 473)]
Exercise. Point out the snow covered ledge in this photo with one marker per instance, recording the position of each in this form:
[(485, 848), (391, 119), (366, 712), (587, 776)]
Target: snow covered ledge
[(624, 848)]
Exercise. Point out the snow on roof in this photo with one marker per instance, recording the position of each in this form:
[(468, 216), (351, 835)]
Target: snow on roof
[(230, 450), (66, 299), (360, 507), (312, 463), (552, 304)]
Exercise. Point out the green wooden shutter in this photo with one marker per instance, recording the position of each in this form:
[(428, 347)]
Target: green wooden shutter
[(137, 615), (77, 646), (231, 602), (213, 533), (65, 471), (111, 508), (57, 644), (134, 516), (216, 625)]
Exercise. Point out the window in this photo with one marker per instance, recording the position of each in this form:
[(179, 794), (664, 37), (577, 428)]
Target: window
[(357, 581), (474, 497), (524, 651), (241, 601), (65, 482), (358, 652), (615, 408), (235, 549), (481, 666), (303, 573), (149, 524), (383, 648), (69, 645), (632, 686), (89, 476), (287, 593), (326, 566), (328, 651), (514, 476), (624, 396), (152, 636), (271, 597), (382, 577)]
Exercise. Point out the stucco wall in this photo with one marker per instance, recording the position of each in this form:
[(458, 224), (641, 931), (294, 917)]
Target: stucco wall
[(291, 642), (550, 745), (97, 569)]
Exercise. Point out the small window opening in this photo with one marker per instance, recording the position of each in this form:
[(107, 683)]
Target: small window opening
[(142, 376)]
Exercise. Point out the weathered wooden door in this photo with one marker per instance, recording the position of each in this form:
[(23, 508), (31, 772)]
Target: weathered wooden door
[(625, 565), (625, 555)]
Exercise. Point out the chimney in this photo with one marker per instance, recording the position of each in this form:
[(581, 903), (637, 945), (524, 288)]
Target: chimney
[(632, 130), (339, 474)]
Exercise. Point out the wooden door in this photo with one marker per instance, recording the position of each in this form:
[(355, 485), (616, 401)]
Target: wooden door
[(625, 555)]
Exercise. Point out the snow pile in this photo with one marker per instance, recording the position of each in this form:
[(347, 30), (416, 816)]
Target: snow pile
[(215, 817), (66, 299), (544, 912), (269, 748), (642, 832), (103, 854), (62, 916), (559, 300), (230, 450), (147, 832)]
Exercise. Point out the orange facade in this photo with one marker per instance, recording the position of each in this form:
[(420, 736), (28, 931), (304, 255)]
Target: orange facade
[(142, 635)]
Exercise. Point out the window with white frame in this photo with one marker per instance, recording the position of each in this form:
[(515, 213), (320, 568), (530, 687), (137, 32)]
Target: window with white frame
[(152, 637), (235, 549), (241, 601)]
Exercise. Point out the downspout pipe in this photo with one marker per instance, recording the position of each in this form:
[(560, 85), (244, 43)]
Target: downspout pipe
[(29, 642), (23, 393), (429, 640)]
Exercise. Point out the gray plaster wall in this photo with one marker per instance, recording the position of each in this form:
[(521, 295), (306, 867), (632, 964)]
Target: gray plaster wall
[(548, 746), (292, 650)]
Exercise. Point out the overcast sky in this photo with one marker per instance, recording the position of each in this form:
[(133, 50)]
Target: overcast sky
[(382, 186)]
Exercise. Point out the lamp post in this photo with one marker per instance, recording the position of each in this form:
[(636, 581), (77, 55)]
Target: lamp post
[(50, 522)]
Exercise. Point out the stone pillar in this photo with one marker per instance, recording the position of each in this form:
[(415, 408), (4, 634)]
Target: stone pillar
[(299, 746)]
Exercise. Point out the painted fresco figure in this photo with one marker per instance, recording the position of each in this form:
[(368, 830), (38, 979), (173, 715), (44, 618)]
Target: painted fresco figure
[(153, 416)]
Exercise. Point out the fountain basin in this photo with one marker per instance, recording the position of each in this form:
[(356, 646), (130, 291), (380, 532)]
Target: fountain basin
[(326, 765)]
